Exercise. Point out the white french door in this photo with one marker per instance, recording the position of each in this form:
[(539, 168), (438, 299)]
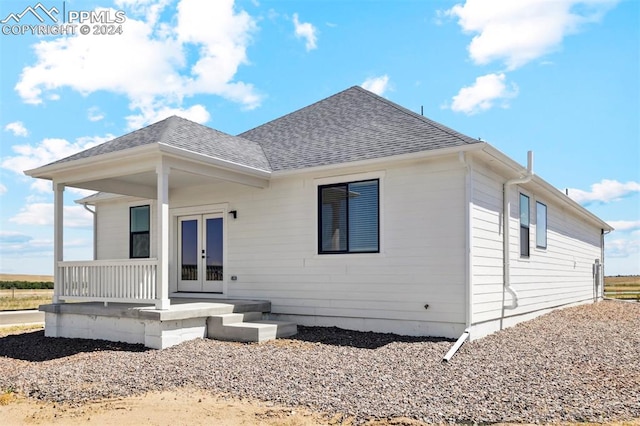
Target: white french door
[(200, 253)]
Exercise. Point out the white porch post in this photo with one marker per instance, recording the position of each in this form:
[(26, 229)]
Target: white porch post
[(58, 233), (162, 283)]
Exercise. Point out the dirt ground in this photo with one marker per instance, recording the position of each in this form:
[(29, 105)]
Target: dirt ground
[(182, 407)]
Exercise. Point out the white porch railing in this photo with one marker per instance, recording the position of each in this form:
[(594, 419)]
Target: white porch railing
[(127, 281)]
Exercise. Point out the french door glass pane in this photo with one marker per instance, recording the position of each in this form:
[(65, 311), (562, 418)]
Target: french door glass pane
[(214, 249), (189, 245)]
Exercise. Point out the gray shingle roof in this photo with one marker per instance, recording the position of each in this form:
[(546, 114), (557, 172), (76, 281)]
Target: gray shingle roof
[(185, 134), (351, 125)]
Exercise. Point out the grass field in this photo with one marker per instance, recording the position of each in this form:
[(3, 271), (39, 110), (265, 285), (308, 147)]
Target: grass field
[(624, 287), (23, 277), (11, 300)]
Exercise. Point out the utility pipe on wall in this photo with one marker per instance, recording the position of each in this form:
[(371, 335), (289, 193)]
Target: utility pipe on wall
[(506, 219), (602, 235), (95, 230)]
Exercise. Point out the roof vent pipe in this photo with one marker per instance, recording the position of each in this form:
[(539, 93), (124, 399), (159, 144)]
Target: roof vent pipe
[(506, 216)]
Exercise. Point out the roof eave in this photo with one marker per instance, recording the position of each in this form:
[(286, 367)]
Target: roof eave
[(546, 186), (52, 170)]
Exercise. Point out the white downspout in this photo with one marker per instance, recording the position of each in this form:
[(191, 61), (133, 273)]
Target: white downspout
[(603, 233), (506, 219), (95, 230)]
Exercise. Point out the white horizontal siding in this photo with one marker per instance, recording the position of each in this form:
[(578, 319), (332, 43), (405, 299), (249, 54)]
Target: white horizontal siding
[(272, 249), (272, 246), (558, 275), (486, 244), (113, 228)]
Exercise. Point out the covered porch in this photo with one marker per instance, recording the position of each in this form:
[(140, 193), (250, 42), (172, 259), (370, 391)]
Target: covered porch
[(130, 299), (149, 171)]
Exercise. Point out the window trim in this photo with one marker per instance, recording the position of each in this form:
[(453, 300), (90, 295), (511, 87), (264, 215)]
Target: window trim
[(523, 226), (132, 234), (546, 225), (319, 189)]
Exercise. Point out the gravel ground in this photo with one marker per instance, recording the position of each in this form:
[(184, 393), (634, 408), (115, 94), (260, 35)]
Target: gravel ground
[(577, 364)]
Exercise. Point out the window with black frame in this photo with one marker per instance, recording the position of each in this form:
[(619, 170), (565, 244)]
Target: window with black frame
[(349, 217), (139, 225)]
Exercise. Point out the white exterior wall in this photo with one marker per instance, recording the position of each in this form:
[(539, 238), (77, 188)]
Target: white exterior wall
[(272, 249), (113, 228), (559, 275)]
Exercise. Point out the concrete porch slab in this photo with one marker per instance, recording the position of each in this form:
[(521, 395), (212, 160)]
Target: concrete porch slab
[(186, 319), (178, 310)]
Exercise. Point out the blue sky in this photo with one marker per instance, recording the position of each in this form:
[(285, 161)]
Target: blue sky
[(558, 77)]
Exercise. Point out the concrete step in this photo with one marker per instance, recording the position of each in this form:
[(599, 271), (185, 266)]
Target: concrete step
[(247, 327), (285, 328), (233, 318)]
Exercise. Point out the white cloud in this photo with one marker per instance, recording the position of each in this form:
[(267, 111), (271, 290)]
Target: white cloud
[(484, 93), (12, 243), (222, 36), (306, 31), (377, 85), (48, 150), (150, 9), (17, 128), (94, 114), (86, 64), (147, 62), (621, 248), (21, 245), (10, 237), (42, 214), (3, 189), (624, 225), (517, 32), (604, 191), (197, 113), (41, 185)]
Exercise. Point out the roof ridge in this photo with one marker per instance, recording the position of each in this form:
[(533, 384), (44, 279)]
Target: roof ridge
[(170, 127), (447, 130), (173, 124), (294, 112)]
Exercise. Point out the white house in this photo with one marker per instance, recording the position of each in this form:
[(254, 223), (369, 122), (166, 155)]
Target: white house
[(352, 212)]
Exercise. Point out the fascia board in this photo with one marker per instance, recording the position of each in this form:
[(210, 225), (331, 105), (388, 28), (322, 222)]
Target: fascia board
[(67, 167), (64, 171)]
